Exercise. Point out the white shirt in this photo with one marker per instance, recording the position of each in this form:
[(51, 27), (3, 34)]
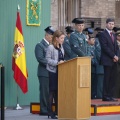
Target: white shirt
[(46, 41), (109, 31)]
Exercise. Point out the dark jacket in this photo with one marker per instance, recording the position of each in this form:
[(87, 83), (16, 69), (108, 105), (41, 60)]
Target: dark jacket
[(99, 68), (67, 49), (108, 48), (78, 44), (40, 54)]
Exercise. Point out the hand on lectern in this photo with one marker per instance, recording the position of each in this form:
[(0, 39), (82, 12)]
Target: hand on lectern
[(61, 61)]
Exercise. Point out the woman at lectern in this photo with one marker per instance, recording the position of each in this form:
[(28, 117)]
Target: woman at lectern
[(54, 56)]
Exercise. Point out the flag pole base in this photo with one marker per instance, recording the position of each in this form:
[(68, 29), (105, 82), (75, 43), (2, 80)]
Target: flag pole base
[(18, 107)]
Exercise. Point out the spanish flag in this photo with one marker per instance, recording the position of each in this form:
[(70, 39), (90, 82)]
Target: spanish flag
[(19, 58)]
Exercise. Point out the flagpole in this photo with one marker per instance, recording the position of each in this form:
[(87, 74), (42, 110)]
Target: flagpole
[(19, 60), (18, 106)]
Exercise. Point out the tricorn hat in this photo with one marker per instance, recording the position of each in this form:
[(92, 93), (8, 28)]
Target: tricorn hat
[(78, 21), (50, 30), (99, 29), (115, 29), (118, 31), (89, 30), (69, 29)]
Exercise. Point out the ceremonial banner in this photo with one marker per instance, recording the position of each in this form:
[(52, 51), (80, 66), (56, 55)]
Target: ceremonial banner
[(33, 12), (19, 59)]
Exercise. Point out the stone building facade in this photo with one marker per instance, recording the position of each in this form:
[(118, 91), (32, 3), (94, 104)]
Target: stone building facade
[(94, 12)]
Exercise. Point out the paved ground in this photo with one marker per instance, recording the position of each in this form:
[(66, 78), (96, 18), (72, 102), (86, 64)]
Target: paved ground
[(25, 114)]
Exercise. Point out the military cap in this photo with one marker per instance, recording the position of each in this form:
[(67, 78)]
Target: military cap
[(89, 30), (50, 30), (78, 21), (69, 29), (118, 31), (110, 20), (115, 29), (99, 29)]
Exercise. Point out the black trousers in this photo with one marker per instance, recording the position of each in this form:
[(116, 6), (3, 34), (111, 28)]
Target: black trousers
[(109, 80)]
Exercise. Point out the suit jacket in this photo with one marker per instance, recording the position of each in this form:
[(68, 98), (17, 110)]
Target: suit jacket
[(52, 58), (108, 48), (40, 53)]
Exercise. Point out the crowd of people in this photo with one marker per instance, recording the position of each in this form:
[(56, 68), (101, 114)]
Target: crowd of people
[(102, 45)]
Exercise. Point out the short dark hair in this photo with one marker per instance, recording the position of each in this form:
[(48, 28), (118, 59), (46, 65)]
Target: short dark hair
[(110, 20)]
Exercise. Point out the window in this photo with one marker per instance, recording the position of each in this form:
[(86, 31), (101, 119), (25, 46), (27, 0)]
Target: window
[(117, 8), (67, 10), (70, 9)]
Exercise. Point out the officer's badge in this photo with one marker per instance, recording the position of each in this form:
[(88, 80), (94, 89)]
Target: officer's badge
[(80, 39), (75, 46)]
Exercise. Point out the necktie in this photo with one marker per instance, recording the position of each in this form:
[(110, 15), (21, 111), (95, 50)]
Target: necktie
[(111, 34)]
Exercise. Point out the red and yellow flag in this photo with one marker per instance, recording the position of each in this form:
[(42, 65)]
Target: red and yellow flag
[(19, 58)]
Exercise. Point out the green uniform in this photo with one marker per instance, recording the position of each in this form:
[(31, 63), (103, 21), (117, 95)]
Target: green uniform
[(91, 52), (67, 49), (78, 44), (96, 71), (117, 88), (99, 70), (40, 52)]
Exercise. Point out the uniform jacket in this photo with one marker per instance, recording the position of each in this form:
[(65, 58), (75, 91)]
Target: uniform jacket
[(67, 49), (40, 53), (118, 64), (99, 68), (78, 44), (52, 58), (119, 48), (108, 48)]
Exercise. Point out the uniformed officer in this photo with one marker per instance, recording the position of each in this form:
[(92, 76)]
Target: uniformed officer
[(94, 51), (115, 29), (42, 73), (117, 86), (99, 67), (66, 44), (98, 31), (77, 40)]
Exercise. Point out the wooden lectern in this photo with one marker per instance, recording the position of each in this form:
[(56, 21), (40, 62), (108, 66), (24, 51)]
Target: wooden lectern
[(74, 89)]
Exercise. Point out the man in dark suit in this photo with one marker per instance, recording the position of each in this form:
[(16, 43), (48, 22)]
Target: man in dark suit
[(40, 52), (109, 58)]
